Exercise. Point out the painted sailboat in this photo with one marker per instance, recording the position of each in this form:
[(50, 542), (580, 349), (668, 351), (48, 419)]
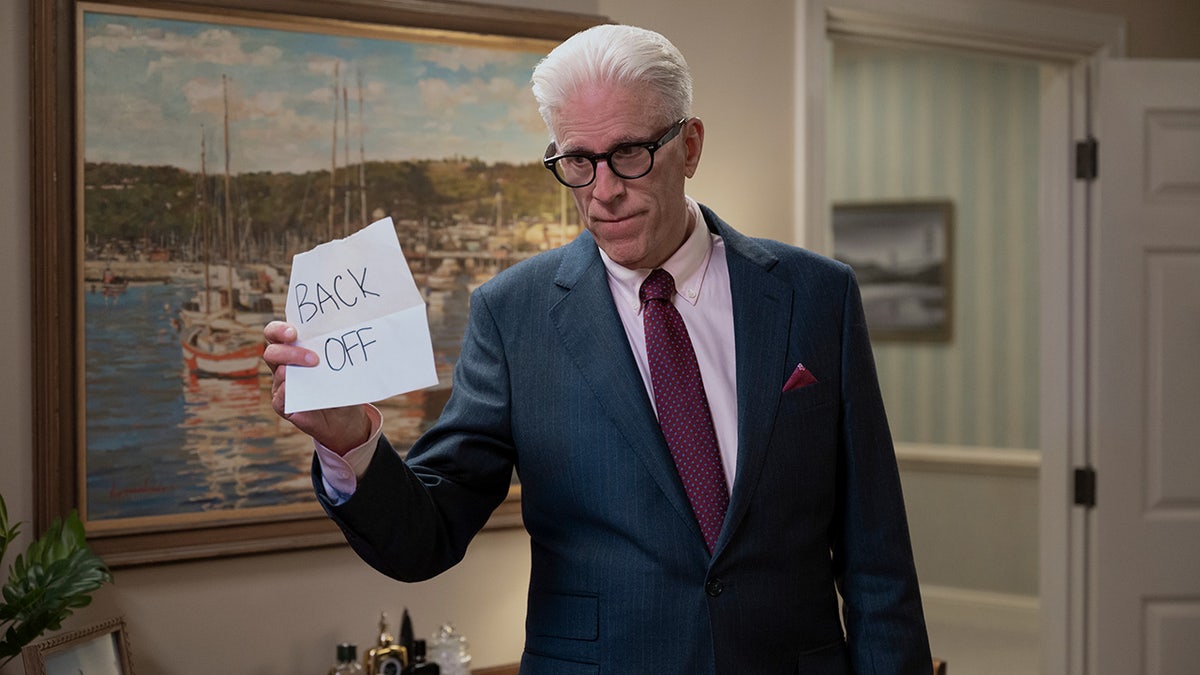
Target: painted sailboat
[(215, 343), (214, 352)]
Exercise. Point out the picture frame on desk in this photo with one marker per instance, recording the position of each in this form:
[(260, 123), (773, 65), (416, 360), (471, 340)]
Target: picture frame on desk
[(182, 152), (100, 649)]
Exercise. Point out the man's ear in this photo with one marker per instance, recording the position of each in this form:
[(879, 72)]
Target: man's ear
[(693, 141)]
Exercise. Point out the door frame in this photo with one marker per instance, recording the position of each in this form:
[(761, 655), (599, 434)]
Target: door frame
[(1069, 44)]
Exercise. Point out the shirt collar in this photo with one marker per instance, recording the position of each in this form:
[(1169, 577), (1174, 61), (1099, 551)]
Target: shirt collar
[(687, 265)]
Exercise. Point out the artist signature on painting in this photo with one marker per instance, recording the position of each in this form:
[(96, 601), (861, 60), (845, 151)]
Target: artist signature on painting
[(145, 488)]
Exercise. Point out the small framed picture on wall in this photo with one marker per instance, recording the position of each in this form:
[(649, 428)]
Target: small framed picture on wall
[(902, 255)]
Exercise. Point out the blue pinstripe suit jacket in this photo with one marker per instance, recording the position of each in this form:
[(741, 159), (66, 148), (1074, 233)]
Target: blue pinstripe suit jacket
[(621, 581)]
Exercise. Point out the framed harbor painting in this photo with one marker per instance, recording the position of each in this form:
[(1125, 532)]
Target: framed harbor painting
[(183, 152), (902, 255)]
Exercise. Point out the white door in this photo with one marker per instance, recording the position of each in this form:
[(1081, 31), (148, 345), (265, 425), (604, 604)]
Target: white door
[(1144, 551)]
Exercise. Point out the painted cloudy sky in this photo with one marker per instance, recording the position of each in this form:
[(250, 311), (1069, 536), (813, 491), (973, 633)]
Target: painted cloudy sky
[(151, 85)]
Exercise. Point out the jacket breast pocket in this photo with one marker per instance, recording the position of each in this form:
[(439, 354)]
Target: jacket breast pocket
[(812, 396)]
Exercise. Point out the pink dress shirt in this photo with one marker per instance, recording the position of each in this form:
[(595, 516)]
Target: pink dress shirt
[(706, 305)]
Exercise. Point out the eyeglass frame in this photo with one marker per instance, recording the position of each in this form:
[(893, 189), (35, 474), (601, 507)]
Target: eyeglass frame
[(595, 157)]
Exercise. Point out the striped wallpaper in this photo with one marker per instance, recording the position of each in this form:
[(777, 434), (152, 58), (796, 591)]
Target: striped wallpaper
[(908, 124)]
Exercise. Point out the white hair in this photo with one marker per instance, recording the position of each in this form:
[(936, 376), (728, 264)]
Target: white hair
[(614, 55)]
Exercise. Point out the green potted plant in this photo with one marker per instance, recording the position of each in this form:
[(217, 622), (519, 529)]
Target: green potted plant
[(56, 575)]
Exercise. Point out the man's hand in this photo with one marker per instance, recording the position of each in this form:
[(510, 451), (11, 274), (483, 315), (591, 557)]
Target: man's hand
[(339, 429)]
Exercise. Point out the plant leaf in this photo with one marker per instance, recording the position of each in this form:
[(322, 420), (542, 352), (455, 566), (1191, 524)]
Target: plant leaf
[(56, 575)]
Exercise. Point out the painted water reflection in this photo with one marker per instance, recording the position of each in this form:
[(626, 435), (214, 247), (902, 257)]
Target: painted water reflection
[(163, 441)]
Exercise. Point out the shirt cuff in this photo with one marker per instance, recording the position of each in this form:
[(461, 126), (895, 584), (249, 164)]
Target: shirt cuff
[(340, 473)]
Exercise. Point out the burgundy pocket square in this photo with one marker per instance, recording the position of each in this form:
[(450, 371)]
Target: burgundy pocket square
[(801, 377)]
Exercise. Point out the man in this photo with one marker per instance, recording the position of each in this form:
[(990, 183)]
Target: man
[(661, 542)]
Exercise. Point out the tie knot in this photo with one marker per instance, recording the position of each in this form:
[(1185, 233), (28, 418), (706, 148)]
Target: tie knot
[(660, 285)]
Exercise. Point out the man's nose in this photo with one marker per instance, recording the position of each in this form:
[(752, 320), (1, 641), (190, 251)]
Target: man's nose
[(607, 184)]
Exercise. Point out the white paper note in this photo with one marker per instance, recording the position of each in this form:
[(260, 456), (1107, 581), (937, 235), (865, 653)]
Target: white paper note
[(353, 301)]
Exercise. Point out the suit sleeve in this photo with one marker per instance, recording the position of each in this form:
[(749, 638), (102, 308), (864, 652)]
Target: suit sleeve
[(872, 553), (413, 519)]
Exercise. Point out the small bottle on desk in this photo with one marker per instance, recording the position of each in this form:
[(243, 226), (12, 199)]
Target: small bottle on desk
[(418, 665), (449, 651), (347, 661)]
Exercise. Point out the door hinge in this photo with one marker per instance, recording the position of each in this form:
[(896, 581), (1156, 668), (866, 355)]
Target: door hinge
[(1087, 159), (1085, 486)]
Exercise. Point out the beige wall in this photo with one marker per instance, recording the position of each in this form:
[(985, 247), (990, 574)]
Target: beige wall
[(16, 461), (272, 613)]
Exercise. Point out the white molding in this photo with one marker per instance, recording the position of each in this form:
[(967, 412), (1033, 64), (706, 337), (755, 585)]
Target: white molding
[(970, 598), (982, 610), (1013, 28), (1060, 258), (812, 67), (963, 459)]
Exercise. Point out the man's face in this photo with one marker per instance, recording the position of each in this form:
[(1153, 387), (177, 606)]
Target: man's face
[(638, 222)]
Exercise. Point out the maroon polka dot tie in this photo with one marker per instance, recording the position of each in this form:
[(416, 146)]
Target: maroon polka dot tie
[(682, 406)]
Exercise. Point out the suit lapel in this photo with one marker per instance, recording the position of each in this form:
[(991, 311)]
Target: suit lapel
[(592, 334), (762, 306)]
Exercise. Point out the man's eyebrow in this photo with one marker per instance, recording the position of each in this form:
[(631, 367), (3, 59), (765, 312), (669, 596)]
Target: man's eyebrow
[(568, 150)]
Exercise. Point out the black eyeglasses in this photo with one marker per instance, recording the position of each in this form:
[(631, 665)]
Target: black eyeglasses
[(628, 160)]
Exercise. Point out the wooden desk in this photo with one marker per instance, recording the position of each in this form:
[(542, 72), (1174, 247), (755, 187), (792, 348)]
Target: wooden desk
[(498, 670), (939, 668)]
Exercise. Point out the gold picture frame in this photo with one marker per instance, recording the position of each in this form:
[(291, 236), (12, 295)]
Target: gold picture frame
[(103, 441), (101, 649)]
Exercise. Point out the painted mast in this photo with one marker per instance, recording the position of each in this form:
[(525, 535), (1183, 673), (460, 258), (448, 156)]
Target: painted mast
[(362, 154), (229, 252), (346, 162), (205, 220), (333, 152)]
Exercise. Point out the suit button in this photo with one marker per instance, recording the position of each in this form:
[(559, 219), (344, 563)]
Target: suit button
[(714, 587)]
